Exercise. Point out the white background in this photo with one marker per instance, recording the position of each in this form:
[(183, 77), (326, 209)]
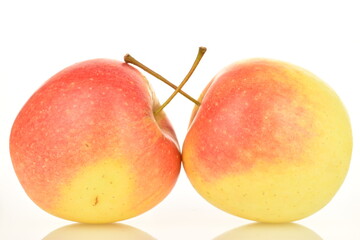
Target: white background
[(39, 38)]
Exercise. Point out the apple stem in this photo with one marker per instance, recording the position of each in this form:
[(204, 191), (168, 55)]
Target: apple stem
[(129, 59), (200, 54)]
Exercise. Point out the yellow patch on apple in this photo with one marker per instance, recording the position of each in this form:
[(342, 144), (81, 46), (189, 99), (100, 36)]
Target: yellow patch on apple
[(101, 192)]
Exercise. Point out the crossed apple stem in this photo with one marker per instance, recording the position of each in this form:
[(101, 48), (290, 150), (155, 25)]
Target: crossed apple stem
[(129, 59)]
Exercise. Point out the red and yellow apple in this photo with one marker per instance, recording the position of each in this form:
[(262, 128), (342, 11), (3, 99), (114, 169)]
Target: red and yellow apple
[(87, 146), (270, 142)]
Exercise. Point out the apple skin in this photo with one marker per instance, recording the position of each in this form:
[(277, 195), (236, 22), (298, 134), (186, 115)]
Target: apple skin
[(87, 147), (270, 142)]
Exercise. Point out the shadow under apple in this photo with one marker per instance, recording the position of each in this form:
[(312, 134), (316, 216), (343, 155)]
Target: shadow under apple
[(265, 231), (113, 231)]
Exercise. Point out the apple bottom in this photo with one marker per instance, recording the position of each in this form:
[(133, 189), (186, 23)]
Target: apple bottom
[(107, 191), (274, 192)]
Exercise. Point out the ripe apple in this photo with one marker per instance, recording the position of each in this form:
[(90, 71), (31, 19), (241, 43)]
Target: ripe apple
[(87, 146), (270, 142)]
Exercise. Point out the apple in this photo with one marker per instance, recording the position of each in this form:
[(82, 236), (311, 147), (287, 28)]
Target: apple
[(88, 147), (270, 142)]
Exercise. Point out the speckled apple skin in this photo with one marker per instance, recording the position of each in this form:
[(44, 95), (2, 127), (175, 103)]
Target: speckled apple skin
[(87, 147), (270, 142)]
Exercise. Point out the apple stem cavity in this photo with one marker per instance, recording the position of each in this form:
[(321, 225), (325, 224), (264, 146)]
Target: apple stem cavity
[(129, 59), (199, 56)]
